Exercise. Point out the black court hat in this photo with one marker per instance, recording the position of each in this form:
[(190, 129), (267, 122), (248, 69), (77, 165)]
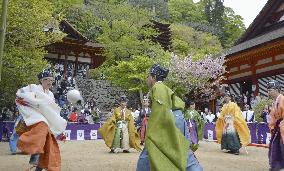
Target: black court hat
[(159, 71), (45, 73)]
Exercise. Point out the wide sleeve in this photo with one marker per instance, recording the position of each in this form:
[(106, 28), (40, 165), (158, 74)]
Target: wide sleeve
[(241, 125), (107, 130), (133, 135), (220, 123), (219, 128), (280, 109), (281, 106), (166, 145)]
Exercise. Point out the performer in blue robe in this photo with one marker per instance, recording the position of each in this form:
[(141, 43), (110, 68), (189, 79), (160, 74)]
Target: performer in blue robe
[(14, 137)]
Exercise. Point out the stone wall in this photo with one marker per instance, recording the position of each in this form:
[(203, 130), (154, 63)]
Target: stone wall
[(105, 94)]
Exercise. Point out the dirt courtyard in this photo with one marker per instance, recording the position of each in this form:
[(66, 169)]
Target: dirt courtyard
[(94, 156)]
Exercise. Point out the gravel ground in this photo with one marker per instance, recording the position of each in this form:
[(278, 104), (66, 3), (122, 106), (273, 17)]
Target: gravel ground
[(94, 156)]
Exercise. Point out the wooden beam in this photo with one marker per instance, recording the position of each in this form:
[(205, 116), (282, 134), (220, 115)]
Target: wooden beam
[(273, 58), (65, 65), (270, 64), (76, 65), (254, 79), (268, 49), (257, 67), (259, 75), (240, 71), (58, 56)]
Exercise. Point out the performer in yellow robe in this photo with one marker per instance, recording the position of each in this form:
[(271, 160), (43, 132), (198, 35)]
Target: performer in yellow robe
[(119, 132), (232, 131)]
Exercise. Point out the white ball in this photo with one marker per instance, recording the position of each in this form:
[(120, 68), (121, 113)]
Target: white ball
[(73, 96)]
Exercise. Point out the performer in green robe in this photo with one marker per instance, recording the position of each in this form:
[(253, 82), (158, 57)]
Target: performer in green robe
[(194, 115), (119, 131), (166, 148)]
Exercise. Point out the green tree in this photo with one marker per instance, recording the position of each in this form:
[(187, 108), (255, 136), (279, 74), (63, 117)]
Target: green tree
[(159, 8), (85, 22), (214, 11), (120, 27), (209, 16), (234, 27), (229, 26), (24, 45), (130, 74), (124, 31), (259, 108), (62, 6), (186, 11), (186, 40)]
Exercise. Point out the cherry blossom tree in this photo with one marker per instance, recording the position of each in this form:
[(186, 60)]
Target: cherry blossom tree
[(187, 74)]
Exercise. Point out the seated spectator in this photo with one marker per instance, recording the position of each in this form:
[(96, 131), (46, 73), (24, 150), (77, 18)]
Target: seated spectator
[(63, 84), (4, 114), (88, 115), (253, 100), (265, 113), (64, 112), (95, 114), (5, 133), (204, 114), (57, 78), (61, 101), (210, 117), (73, 116), (136, 114), (82, 117), (248, 114), (93, 102)]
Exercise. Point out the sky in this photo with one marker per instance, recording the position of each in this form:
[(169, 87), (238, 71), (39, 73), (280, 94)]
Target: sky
[(248, 9)]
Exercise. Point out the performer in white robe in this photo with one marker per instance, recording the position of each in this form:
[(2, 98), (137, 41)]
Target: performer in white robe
[(41, 115)]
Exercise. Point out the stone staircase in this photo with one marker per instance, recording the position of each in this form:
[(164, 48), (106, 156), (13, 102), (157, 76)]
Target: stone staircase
[(105, 94)]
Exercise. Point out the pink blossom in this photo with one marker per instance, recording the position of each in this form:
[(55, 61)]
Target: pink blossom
[(199, 74)]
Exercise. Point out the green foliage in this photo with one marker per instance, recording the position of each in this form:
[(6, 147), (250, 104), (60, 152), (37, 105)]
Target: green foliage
[(208, 16), (120, 27), (159, 8), (234, 27), (186, 40), (85, 22), (130, 75), (229, 25), (214, 11), (259, 108), (96, 73), (24, 45), (186, 11), (62, 6), (126, 36)]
